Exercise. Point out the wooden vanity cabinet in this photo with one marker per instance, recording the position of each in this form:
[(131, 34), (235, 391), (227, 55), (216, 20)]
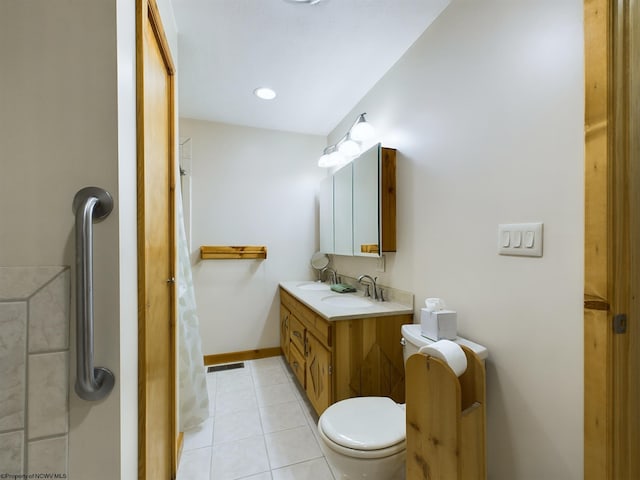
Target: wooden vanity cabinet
[(344, 358), (309, 346)]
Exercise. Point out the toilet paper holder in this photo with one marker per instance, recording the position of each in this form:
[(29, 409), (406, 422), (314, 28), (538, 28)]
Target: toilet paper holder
[(446, 419)]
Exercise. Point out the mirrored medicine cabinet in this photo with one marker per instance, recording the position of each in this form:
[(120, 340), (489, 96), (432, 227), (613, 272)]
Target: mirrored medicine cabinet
[(358, 206)]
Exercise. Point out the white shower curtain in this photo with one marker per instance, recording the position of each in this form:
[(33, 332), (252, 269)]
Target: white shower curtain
[(193, 394)]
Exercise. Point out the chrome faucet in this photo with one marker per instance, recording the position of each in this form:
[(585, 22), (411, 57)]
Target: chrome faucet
[(334, 274), (372, 283)]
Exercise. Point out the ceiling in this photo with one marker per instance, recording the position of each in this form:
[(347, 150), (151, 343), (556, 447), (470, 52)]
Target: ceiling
[(320, 59)]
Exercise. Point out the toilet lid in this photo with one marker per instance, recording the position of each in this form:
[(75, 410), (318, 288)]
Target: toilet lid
[(364, 423)]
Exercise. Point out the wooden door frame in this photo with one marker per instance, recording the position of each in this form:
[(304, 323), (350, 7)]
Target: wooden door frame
[(612, 204), (148, 9)]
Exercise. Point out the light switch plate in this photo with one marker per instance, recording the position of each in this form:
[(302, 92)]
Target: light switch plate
[(520, 239)]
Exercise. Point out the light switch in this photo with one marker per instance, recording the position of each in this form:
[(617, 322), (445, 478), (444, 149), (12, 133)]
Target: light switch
[(528, 239), (517, 239), (505, 238), (520, 239)]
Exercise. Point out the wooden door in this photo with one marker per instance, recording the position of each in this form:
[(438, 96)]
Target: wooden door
[(318, 374), (612, 240), (156, 250)]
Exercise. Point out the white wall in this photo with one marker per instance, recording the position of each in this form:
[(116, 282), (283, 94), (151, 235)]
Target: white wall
[(67, 91), (486, 111), (128, 274), (250, 187)]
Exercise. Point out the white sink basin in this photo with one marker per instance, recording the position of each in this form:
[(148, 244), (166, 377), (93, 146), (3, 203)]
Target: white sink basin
[(313, 286), (347, 301)]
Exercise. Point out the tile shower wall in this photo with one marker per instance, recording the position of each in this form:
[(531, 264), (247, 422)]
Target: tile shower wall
[(34, 371)]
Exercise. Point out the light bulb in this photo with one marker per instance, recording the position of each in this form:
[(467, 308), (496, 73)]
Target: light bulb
[(362, 130), (324, 161), (349, 148), (336, 158), (331, 157)]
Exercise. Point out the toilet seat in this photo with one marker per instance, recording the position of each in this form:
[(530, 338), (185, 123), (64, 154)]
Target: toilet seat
[(364, 427)]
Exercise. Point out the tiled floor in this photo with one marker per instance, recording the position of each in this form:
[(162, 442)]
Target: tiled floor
[(260, 428)]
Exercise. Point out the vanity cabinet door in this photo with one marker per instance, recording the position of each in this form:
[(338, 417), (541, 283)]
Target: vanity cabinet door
[(284, 331), (318, 374), (297, 333), (297, 364)]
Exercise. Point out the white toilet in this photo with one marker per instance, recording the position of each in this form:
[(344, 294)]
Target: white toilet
[(364, 437)]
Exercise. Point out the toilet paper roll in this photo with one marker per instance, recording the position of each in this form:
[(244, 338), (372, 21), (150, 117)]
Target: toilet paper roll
[(449, 352)]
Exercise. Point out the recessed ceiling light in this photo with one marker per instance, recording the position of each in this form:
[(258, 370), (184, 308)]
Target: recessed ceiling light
[(264, 93)]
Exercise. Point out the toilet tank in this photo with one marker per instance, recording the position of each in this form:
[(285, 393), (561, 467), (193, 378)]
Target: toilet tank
[(412, 340)]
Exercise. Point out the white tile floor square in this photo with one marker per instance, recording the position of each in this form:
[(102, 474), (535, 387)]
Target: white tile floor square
[(260, 428)]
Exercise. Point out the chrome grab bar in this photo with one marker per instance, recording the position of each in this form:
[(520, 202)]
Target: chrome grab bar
[(89, 204)]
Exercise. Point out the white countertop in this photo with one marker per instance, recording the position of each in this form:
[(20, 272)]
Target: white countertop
[(333, 306)]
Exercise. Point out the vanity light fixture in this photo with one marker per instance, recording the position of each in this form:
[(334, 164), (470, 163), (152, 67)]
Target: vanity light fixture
[(349, 146), (265, 93)]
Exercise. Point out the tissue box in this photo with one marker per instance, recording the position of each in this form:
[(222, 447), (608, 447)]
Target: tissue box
[(439, 324)]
